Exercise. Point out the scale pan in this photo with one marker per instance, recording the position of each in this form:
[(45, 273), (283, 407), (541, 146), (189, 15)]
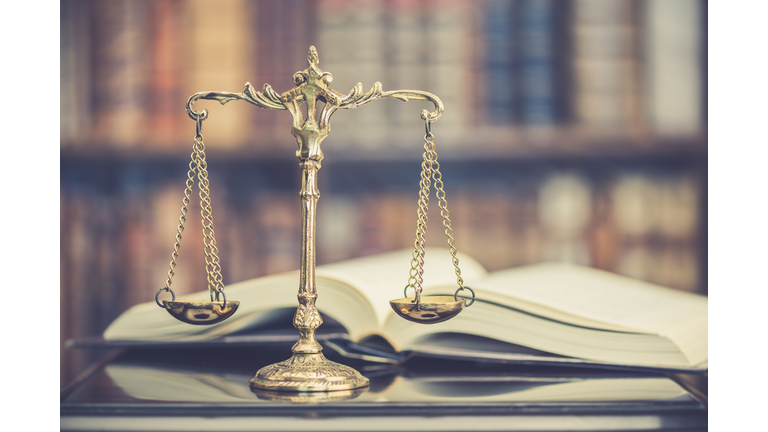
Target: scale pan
[(433, 309), (200, 312)]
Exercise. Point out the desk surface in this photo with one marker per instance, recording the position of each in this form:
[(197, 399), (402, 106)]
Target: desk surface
[(193, 389)]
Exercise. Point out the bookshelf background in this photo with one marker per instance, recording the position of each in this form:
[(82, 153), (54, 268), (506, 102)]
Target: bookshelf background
[(573, 131)]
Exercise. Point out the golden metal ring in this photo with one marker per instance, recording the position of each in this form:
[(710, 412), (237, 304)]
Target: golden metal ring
[(405, 291), (418, 294), (221, 291), (455, 295), (157, 300), (199, 127)]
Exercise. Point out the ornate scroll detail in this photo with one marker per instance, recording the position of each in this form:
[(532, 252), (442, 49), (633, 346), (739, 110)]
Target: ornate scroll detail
[(313, 84), (354, 99), (266, 98)]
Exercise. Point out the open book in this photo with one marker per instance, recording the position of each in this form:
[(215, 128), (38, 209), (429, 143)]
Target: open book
[(562, 310)]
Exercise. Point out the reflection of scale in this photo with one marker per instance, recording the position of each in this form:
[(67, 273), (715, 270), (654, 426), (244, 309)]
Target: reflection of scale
[(308, 370)]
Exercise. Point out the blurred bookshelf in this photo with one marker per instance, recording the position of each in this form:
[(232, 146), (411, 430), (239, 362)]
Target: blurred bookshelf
[(573, 131)]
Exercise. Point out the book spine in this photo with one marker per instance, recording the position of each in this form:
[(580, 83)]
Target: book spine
[(92, 286), (656, 219), (165, 201), (75, 297), (448, 29), (406, 67), (605, 66), (296, 37), (120, 73), (137, 247), (279, 223), (265, 49), (338, 228), (216, 56), (498, 58), (171, 129), (672, 66), (536, 39), (676, 228), (603, 231), (367, 64), (75, 73), (279, 51), (565, 213), (338, 55)]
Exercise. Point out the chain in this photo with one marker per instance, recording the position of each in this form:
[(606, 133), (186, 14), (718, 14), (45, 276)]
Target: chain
[(416, 273), (198, 167), (443, 204), (183, 218), (430, 170), (212, 264)]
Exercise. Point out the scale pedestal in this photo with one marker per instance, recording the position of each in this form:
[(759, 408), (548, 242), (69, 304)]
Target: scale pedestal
[(308, 370)]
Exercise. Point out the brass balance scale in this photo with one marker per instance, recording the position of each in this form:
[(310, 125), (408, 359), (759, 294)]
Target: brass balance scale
[(308, 370)]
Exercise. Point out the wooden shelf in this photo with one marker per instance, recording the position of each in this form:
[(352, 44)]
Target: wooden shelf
[(509, 144)]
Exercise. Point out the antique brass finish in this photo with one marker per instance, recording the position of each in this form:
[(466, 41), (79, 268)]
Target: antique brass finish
[(438, 309), (201, 312), (308, 370), (430, 310)]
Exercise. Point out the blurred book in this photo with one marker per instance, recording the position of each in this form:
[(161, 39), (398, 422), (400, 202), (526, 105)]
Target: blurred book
[(672, 41), (169, 125), (605, 66), (656, 219), (75, 80), (406, 68), (447, 65), (585, 316), (537, 50), (217, 60), (565, 210), (499, 72), (120, 78), (524, 60)]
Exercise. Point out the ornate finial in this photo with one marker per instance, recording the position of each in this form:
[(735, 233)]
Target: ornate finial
[(312, 57)]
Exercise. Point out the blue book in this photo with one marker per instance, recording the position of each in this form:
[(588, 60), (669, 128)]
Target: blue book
[(500, 82), (536, 65)]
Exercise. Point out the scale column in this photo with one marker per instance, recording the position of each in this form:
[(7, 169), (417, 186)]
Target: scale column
[(307, 318), (308, 369)]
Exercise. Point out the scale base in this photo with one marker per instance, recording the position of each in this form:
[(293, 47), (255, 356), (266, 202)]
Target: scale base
[(308, 373)]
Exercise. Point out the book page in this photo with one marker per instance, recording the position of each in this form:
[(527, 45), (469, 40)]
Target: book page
[(356, 293), (259, 298), (598, 295), (382, 278), (493, 321), (147, 321)]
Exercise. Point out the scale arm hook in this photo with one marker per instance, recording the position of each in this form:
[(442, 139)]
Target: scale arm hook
[(355, 99)]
